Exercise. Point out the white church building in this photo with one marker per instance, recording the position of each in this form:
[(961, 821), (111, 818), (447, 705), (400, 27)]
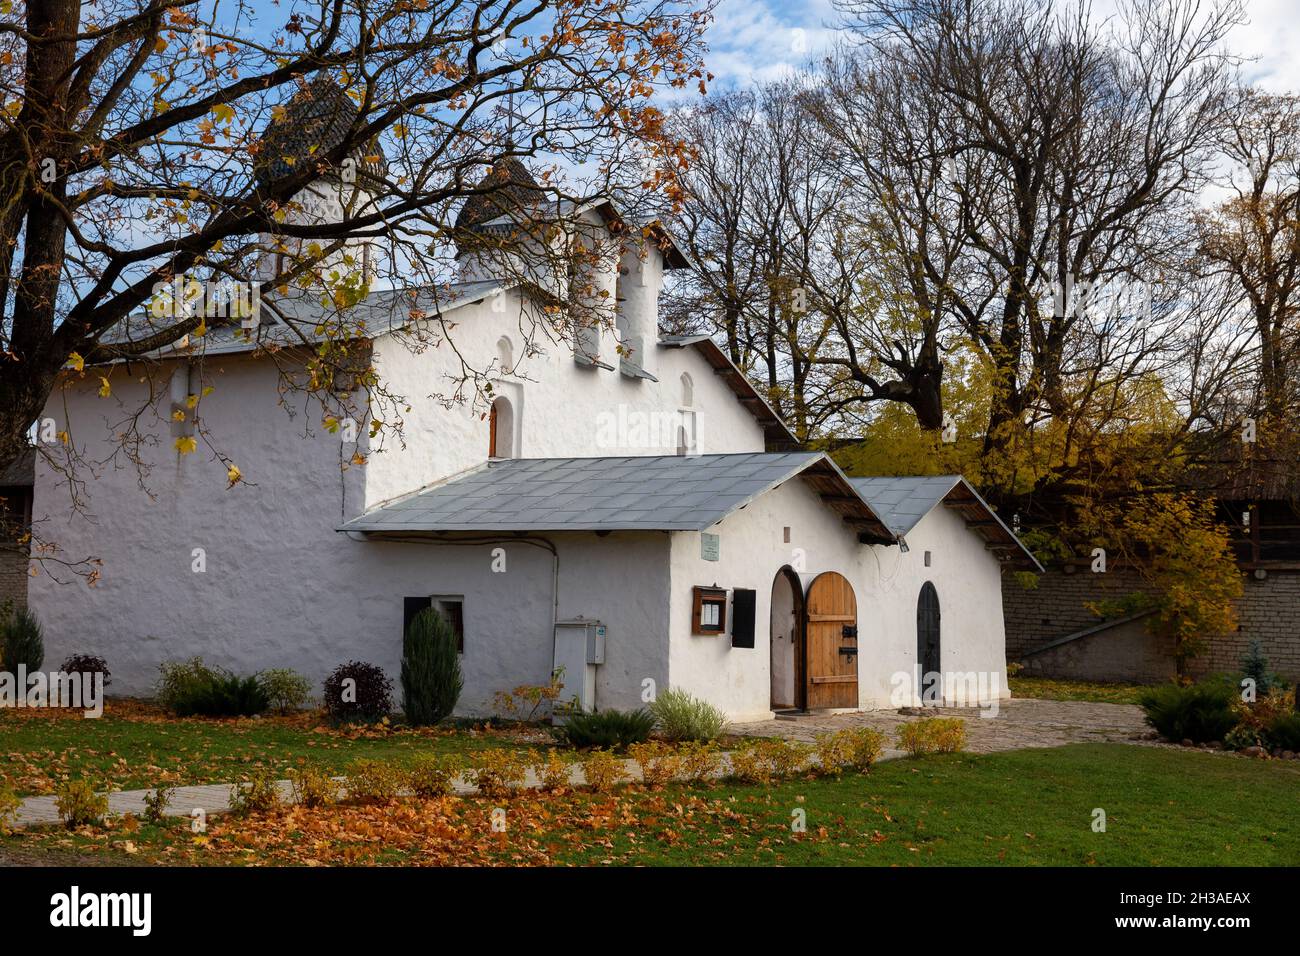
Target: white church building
[(628, 508)]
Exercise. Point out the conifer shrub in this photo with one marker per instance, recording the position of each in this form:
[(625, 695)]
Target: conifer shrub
[(1200, 713), (431, 675)]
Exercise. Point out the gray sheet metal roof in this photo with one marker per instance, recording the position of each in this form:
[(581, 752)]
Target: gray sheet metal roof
[(648, 493), (903, 501), (288, 320)]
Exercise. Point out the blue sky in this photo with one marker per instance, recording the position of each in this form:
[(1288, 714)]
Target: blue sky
[(756, 40)]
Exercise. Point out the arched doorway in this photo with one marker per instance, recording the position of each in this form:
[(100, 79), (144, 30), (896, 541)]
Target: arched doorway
[(787, 641), (928, 653), (831, 636)]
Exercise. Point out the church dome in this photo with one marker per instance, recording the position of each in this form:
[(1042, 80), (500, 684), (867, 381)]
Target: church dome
[(314, 121), (506, 189)]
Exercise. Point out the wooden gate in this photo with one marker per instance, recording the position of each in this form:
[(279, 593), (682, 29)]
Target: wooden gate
[(832, 642), (927, 634)]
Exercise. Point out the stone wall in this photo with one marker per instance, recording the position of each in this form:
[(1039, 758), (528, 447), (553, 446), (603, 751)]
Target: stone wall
[(14, 515), (1268, 611), (13, 576)]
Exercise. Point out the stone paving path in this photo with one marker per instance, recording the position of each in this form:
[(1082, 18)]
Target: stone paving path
[(1018, 724)]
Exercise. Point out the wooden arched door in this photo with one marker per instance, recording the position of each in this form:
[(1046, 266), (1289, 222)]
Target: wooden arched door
[(831, 629), (928, 653)]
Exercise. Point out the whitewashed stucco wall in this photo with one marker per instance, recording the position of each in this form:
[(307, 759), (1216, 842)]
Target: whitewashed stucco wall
[(279, 583), (751, 552), (560, 408), (968, 580), (281, 587), (885, 580)]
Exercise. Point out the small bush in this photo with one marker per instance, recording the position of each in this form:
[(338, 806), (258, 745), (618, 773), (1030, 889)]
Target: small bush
[(87, 664), (1200, 713), (834, 752), (865, 747), (358, 692), (258, 794), (700, 761), (659, 762), (155, 803), (529, 702), (1255, 666), (192, 688), (683, 717), (1254, 718), (431, 677), (313, 787), (372, 781), (603, 770), (606, 729), (746, 765), (285, 689), (434, 775), (939, 735), (79, 805), (22, 641), (767, 759), (498, 772), (1284, 732), (9, 804), (552, 770), (1243, 736)]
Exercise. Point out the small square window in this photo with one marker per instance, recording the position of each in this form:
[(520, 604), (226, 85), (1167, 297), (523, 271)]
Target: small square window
[(451, 607), (927, 559)]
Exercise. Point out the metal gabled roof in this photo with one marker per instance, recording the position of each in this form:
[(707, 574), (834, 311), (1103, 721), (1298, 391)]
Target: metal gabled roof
[(629, 493), (298, 319), (903, 501)]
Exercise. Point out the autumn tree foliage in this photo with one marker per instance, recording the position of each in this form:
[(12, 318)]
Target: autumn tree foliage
[(1184, 556), (132, 153)]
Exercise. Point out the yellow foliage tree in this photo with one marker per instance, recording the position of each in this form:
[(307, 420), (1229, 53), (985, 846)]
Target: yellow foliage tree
[(1184, 555)]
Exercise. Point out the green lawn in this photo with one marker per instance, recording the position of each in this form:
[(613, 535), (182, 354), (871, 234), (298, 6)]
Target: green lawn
[(1033, 807), (1047, 688), (1163, 807), (132, 746)]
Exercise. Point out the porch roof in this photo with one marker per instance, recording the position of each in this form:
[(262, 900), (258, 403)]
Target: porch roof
[(637, 493), (903, 501)]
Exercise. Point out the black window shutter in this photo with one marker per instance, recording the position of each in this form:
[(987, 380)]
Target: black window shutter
[(412, 606), (742, 617)]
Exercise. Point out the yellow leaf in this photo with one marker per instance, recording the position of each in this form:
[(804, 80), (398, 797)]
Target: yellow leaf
[(224, 112), (105, 389), (76, 362), (178, 415), (160, 46), (233, 474), (186, 445), (191, 400)]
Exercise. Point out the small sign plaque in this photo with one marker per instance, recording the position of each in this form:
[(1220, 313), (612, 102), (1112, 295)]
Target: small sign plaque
[(710, 546)]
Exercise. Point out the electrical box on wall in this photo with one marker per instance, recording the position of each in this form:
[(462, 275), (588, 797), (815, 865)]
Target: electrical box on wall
[(595, 643), (579, 649)]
